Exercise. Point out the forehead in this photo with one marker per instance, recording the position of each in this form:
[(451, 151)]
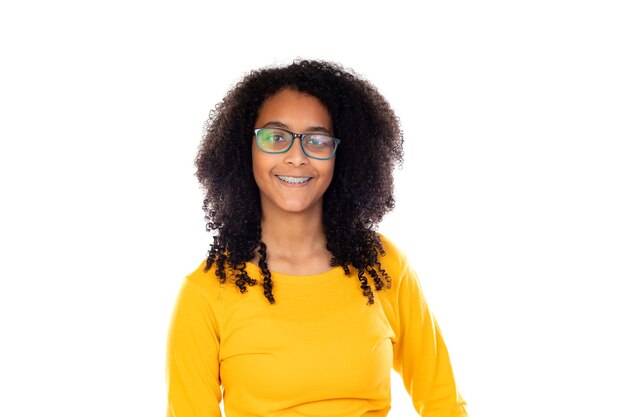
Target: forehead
[(295, 109)]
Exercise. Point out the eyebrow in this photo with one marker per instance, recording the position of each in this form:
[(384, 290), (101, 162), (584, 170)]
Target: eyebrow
[(309, 129)]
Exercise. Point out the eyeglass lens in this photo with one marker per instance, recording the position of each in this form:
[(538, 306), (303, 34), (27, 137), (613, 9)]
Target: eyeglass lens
[(278, 140)]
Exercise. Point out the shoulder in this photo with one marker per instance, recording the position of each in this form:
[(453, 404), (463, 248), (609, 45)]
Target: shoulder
[(396, 263), (204, 280), (394, 259)]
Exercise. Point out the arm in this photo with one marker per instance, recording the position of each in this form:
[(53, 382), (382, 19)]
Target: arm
[(420, 354), (192, 365)]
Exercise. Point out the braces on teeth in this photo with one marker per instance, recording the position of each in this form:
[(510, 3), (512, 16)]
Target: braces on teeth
[(293, 180)]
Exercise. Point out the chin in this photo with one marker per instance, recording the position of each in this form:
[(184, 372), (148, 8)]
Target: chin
[(298, 206), (295, 208)]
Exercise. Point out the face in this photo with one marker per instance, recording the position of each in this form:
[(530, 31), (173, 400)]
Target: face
[(299, 113)]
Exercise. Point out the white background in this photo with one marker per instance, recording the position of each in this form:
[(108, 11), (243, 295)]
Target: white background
[(510, 203)]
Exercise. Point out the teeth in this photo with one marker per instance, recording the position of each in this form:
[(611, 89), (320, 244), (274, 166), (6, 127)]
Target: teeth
[(293, 180)]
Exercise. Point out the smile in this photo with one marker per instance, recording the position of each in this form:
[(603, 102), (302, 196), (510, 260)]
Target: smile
[(294, 180)]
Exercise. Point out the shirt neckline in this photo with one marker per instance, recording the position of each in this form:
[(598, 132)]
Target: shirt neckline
[(278, 277)]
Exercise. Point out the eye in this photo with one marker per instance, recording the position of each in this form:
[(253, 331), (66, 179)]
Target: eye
[(319, 141), (272, 136)]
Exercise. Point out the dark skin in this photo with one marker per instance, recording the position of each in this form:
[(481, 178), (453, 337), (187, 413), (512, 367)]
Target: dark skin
[(291, 215), (360, 193)]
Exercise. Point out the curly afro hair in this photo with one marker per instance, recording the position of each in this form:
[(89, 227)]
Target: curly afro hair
[(360, 193)]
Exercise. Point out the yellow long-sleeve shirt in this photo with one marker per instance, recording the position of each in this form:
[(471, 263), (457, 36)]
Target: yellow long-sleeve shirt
[(320, 350)]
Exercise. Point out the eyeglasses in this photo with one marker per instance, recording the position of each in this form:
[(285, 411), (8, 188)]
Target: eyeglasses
[(314, 145)]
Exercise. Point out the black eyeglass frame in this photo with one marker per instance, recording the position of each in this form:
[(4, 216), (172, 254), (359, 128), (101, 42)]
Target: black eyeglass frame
[(293, 139)]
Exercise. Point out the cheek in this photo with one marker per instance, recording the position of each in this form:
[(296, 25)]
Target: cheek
[(257, 164), (261, 168), (328, 173)]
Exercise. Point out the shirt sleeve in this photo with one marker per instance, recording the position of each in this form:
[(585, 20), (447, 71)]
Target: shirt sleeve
[(420, 354), (192, 364)]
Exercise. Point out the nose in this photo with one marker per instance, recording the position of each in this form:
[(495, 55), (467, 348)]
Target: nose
[(296, 155)]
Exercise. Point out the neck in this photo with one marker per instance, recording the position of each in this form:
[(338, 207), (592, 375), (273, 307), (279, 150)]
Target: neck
[(296, 235)]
